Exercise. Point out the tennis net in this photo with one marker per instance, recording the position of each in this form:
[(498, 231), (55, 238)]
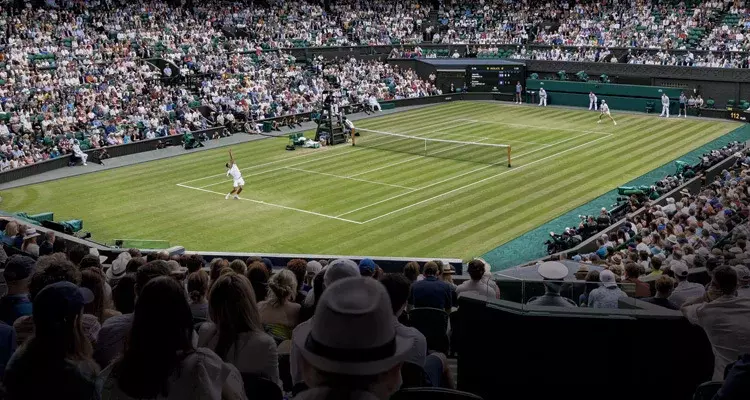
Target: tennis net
[(476, 152)]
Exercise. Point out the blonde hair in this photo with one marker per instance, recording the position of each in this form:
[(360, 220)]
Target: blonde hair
[(11, 229), (281, 286)]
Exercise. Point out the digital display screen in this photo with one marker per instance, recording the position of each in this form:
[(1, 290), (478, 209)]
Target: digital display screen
[(494, 78)]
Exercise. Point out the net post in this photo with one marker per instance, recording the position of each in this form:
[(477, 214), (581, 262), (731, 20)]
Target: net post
[(509, 164)]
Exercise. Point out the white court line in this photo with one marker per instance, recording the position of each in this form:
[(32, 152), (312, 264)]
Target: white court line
[(476, 121), (276, 205), (437, 124), (349, 178), (482, 180)]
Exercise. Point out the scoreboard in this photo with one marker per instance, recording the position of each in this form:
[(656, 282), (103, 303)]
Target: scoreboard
[(494, 78)]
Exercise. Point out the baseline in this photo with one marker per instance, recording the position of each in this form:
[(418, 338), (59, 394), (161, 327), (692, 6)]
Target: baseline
[(265, 203), (477, 121)]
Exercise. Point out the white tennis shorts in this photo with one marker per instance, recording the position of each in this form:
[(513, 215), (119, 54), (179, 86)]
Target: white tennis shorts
[(239, 182)]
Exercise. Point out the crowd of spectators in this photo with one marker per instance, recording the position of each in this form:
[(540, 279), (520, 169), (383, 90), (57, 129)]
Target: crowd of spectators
[(76, 76), (707, 229), (176, 327)]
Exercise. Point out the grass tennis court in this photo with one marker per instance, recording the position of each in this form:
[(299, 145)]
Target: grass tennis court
[(378, 202)]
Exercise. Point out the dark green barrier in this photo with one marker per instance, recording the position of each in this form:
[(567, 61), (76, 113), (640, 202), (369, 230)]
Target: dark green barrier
[(603, 89), (615, 102)]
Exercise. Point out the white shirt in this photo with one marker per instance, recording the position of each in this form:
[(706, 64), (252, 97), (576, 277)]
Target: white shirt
[(542, 92), (685, 291), (592, 97), (665, 100), (482, 287), (726, 321), (604, 108), (234, 172)]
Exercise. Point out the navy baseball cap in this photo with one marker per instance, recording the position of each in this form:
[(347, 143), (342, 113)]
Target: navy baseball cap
[(367, 265), (19, 267), (58, 301)]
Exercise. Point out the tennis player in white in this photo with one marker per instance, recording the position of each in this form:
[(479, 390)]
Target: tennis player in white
[(604, 108), (236, 175)]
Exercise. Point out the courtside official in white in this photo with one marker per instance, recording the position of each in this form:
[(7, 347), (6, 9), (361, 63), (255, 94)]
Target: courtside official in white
[(593, 105), (236, 175), (664, 105), (542, 97), (78, 152)]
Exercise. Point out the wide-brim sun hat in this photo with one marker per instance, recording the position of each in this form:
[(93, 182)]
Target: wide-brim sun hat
[(353, 331)]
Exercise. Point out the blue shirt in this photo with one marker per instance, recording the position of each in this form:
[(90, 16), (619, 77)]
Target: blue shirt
[(14, 306), (7, 345), (430, 292), (518, 88)]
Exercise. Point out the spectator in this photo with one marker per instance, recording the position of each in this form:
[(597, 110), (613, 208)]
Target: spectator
[(29, 242), (76, 254), (118, 268), (194, 262), (608, 295), (743, 277), (279, 313), (114, 330), (197, 287), (411, 271), (655, 266), (337, 270), (56, 361), (160, 360), (553, 273), (313, 268), (258, 276), (8, 345), (298, 267), (664, 285), (592, 282), (235, 332), (475, 283), (435, 364), (123, 295), (17, 303), (685, 290), (445, 273), (632, 272), (48, 244), (431, 292), (332, 335), (737, 384), (367, 267), (93, 280), (215, 267), (10, 233), (50, 269), (238, 266), (726, 320), (132, 266)]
